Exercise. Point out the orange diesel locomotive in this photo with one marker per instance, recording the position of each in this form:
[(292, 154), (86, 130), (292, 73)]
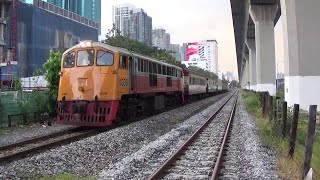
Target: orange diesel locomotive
[(101, 83)]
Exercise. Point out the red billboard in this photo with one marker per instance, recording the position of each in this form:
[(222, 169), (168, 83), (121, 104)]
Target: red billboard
[(193, 51)]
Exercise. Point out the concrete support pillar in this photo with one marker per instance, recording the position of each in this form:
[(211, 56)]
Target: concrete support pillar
[(263, 17), (245, 75), (301, 27), (246, 56), (251, 44)]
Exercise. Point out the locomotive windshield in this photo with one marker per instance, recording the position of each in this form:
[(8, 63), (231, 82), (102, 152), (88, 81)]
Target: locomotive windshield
[(85, 57), (104, 58), (68, 60)]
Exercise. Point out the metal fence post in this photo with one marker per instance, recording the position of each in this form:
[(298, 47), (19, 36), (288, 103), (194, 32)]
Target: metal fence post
[(310, 139), (284, 118), (293, 132), (270, 108)]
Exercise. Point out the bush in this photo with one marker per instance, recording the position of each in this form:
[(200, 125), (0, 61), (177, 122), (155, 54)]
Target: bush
[(52, 68)]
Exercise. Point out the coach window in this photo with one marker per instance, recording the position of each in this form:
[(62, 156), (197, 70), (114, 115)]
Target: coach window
[(145, 65), (68, 60), (139, 65), (85, 57), (104, 58), (164, 69), (150, 67), (159, 69), (123, 62), (154, 68)]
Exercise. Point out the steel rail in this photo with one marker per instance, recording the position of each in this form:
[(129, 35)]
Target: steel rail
[(223, 143), (29, 141), (45, 146), (159, 173)]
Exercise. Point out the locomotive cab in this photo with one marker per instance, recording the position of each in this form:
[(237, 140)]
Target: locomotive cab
[(92, 80), (100, 83)]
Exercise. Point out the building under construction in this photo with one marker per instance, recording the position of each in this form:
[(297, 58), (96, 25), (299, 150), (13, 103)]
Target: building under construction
[(29, 31)]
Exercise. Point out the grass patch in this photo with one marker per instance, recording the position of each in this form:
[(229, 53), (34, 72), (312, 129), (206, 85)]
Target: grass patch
[(270, 134), (67, 176)]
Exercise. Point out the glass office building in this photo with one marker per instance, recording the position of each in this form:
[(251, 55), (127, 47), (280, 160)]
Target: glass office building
[(90, 9)]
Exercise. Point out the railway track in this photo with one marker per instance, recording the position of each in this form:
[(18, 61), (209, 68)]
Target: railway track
[(22, 149), (29, 147), (201, 155)]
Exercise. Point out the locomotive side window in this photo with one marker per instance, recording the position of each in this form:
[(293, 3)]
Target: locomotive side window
[(123, 62), (68, 60), (104, 58), (85, 57)]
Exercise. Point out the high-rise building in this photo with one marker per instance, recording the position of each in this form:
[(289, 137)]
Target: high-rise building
[(160, 38), (208, 51), (175, 51), (203, 54), (75, 6), (133, 22), (141, 26), (183, 51), (121, 18), (90, 9)]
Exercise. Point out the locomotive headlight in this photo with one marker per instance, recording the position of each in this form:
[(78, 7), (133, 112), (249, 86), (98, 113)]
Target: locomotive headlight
[(88, 44), (60, 73), (83, 44)]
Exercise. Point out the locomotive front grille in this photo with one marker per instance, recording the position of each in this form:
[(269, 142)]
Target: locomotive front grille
[(80, 112)]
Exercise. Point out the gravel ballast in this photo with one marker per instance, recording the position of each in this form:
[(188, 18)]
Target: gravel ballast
[(247, 157), (30, 132), (124, 152), (91, 155), (141, 164)]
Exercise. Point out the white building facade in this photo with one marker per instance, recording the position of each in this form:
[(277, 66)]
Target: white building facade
[(121, 18), (202, 54)]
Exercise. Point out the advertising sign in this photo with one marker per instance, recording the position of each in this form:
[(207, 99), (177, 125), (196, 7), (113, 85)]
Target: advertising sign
[(193, 52)]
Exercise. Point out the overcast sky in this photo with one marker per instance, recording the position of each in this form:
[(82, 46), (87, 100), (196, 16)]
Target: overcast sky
[(187, 21), (192, 21)]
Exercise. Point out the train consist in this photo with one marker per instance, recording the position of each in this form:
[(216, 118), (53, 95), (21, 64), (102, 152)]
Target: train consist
[(100, 84)]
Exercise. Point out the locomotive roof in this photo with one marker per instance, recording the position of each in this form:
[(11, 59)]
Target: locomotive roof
[(124, 51)]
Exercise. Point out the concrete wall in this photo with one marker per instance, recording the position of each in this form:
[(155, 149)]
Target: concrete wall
[(39, 31)]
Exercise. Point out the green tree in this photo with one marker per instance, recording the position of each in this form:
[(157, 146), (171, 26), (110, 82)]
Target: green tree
[(52, 68), (204, 72), (114, 38)]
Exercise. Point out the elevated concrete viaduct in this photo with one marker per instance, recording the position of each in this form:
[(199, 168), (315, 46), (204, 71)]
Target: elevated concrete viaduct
[(254, 22)]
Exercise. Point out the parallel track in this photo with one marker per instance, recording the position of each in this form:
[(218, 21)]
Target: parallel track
[(186, 159), (22, 149)]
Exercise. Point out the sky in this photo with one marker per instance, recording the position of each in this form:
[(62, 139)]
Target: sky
[(187, 21), (192, 21)]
